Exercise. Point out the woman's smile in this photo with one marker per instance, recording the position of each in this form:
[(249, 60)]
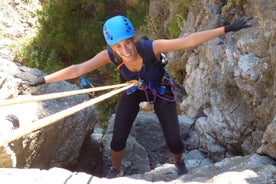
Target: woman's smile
[(126, 49)]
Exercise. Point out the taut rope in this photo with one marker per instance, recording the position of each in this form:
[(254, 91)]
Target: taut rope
[(57, 95), (20, 132)]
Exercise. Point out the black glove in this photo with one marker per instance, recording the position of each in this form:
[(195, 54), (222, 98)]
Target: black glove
[(30, 80), (240, 24)]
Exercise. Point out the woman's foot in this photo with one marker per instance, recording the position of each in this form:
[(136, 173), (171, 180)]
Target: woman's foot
[(114, 173)]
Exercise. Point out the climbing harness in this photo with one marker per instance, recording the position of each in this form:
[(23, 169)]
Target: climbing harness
[(159, 90), (20, 132), (155, 89)]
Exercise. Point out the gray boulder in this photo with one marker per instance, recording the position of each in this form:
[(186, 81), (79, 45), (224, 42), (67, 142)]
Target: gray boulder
[(56, 145)]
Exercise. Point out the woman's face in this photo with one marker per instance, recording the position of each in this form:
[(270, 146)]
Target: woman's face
[(126, 49)]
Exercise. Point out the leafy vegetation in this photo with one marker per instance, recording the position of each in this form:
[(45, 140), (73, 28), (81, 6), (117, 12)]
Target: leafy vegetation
[(176, 24), (69, 34), (231, 7), (174, 18)]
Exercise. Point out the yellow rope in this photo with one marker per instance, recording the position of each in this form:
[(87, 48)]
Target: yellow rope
[(20, 132), (59, 95)]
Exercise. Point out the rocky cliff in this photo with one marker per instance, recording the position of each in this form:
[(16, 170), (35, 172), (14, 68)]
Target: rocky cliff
[(230, 80), (230, 101)]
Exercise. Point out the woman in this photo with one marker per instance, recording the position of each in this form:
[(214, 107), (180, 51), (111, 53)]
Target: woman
[(131, 57)]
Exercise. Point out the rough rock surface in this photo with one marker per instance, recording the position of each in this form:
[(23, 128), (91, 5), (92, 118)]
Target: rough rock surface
[(65, 135), (253, 169), (230, 85), (230, 80)]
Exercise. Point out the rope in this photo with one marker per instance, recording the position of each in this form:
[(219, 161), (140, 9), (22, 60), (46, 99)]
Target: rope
[(58, 95), (20, 132)]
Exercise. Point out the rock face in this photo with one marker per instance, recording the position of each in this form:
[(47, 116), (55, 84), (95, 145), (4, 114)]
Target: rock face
[(253, 169), (269, 140), (229, 80), (229, 107), (55, 145)]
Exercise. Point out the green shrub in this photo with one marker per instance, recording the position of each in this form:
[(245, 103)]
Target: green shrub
[(231, 8)]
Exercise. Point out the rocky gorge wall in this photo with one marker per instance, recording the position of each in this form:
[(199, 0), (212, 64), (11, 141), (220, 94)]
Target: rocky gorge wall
[(230, 99), (230, 80)]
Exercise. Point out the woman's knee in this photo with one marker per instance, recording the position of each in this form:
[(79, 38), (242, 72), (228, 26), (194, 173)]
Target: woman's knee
[(117, 145)]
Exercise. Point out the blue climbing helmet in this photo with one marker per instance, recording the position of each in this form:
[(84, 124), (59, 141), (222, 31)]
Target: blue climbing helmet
[(117, 29)]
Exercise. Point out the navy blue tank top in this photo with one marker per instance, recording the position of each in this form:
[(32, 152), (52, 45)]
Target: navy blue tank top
[(152, 69)]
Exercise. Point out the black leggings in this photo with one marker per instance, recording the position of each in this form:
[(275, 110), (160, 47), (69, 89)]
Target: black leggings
[(127, 111)]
